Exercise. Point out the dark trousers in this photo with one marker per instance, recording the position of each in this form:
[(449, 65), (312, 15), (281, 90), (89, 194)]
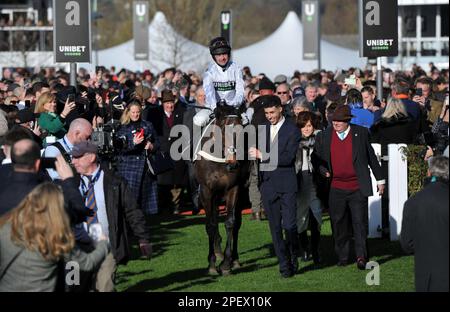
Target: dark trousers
[(312, 248), (348, 213), (281, 212)]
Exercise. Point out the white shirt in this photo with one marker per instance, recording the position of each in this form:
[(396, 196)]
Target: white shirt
[(275, 128), (344, 134), (52, 151), (6, 161), (102, 216)]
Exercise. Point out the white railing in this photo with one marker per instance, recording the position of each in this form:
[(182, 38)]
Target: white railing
[(397, 191)]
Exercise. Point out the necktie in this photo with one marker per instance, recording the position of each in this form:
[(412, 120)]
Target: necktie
[(273, 133), (341, 136), (90, 201)]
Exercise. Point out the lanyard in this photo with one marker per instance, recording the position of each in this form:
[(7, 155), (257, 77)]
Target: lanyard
[(68, 149)]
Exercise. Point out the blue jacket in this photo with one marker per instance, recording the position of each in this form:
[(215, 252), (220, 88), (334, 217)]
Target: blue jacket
[(362, 117)]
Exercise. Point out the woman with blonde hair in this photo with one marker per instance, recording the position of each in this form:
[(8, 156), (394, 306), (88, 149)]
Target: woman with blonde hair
[(34, 237), (141, 140), (49, 120), (394, 125)]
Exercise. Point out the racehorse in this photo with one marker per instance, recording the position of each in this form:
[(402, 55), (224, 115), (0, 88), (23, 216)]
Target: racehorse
[(222, 179)]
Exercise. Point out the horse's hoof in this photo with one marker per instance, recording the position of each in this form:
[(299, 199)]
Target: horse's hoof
[(226, 272), (213, 272), (236, 264)]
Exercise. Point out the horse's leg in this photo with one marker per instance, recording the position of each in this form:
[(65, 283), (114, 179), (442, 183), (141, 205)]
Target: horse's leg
[(237, 226), (218, 239), (211, 227), (231, 199)]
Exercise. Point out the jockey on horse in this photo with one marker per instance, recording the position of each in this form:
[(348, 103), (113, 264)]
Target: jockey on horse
[(222, 82)]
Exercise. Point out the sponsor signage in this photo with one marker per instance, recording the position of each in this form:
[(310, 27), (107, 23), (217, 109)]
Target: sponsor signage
[(140, 30), (225, 26), (378, 26), (72, 31), (311, 30)]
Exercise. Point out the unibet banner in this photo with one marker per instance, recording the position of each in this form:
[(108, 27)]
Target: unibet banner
[(311, 30), (378, 27), (72, 31), (225, 26), (140, 30)]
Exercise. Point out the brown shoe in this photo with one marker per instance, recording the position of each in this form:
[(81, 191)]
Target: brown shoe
[(255, 216)]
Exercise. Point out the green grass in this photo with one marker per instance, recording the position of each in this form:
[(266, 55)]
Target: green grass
[(179, 263)]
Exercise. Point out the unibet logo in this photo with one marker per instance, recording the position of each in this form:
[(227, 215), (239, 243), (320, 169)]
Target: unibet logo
[(380, 44), (140, 11), (72, 50), (224, 86), (226, 18), (310, 9)]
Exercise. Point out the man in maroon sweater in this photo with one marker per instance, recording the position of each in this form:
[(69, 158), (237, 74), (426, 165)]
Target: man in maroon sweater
[(345, 154)]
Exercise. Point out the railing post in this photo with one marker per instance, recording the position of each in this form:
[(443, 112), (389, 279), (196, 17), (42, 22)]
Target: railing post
[(398, 188)]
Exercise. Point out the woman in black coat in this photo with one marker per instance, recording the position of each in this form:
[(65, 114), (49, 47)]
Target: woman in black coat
[(141, 139), (394, 126)]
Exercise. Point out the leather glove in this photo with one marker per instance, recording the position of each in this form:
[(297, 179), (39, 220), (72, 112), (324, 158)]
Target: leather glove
[(146, 249)]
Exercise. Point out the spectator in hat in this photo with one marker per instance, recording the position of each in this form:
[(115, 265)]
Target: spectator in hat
[(171, 182), (298, 92), (279, 79), (143, 93), (114, 205), (27, 119), (141, 141), (344, 154)]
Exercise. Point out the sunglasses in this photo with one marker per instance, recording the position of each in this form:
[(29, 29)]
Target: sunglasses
[(286, 92)]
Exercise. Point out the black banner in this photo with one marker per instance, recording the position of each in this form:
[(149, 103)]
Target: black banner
[(72, 31), (311, 29), (140, 30), (378, 25)]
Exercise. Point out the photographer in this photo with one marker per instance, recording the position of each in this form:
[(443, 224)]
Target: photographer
[(141, 140)]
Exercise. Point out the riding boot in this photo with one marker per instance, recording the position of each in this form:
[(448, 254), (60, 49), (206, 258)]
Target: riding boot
[(304, 242)]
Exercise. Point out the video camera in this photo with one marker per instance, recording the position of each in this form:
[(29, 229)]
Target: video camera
[(108, 142)]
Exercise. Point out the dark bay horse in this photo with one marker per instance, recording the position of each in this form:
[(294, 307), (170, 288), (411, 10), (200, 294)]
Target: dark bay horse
[(222, 179)]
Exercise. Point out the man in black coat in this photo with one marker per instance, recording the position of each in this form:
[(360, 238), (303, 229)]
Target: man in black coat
[(344, 153), (425, 229), (170, 183), (113, 206), (279, 183)]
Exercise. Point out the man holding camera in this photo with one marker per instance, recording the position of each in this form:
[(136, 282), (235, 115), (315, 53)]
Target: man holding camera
[(113, 206), (80, 130)]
